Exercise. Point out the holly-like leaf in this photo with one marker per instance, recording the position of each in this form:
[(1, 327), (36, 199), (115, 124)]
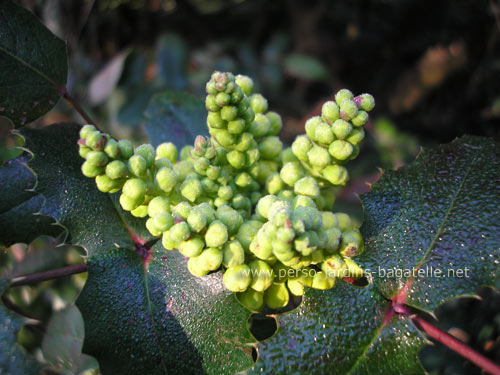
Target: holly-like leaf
[(175, 117), (438, 219), (171, 58), (13, 358), (33, 65), (154, 317), (19, 205), (93, 219), (344, 330)]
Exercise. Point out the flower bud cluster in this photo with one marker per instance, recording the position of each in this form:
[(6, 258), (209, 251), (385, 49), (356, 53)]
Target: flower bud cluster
[(238, 201)]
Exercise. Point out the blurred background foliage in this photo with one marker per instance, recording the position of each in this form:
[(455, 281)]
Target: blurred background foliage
[(433, 67)]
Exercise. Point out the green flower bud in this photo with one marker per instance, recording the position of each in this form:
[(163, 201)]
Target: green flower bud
[(295, 287), (158, 205), (258, 103), (192, 247), (214, 120), (147, 152), (151, 228), (191, 189), (222, 99), (163, 221), (237, 126), (116, 169), (318, 157), (212, 172), (135, 188), (167, 150), (210, 259), (126, 149), (162, 162), (365, 101), (340, 150), (301, 147), (356, 136), (317, 257), (237, 95), (342, 95), (182, 210), (224, 138), (302, 201), (233, 254), (180, 232), (247, 232), (186, 152), (209, 186), (242, 179), (112, 149), (248, 115), (276, 123), (137, 165), (292, 172), (286, 195), (197, 220), (196, 268), (95, 140), (210, 104), (329, 220), (348, 109), (307, 186), (311, 125), (287, 156), (344, 222), (251, 300), (261, 246), (274, 183), (86, 129), (229, 113), (323, 134), (105, 184), (334, 266), (260, 125), (128, 203), (254, 197), (321, 281), (166, 179), (225, 192), (83, 151), (264, 204), (352, 244), (330, 112), (216, 235), (91, 170), (262, 275), (182, 169), (210, 88), (353, 269), (360, 119), (229, 217), (336, 174), (245, 142), (245, 83), (97, 158), (270, 147), (236, 159), (238, 278), (141, 211), (341, 129), (276, 296), (279, 212), (252, 156)]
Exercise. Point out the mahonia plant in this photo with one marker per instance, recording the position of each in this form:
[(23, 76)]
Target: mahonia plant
[(239, 201)]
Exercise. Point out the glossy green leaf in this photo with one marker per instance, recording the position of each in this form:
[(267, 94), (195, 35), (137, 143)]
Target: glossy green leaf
[(33, 65), (19, 205), (93, 219), (13, 358), (158, 318), (345, 331), (63, 342), (175, 117), (440, 217)]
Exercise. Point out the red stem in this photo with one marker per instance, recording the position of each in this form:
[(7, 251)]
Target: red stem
[(49, 275), (77, 107)]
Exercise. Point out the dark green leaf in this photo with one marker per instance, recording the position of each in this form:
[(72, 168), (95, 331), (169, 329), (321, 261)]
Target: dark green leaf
[(33, 65), (19, 205), (171, 58), (175, 117), (131, 113), (305, 67), (13, 359), (63, 342), (158, 318), (93, 219), (344, 330), (439, 214)]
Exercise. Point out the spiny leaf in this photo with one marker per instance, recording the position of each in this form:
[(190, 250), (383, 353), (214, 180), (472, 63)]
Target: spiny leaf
[(439, 214), (19, 205), (156, 318), (93, 219), (175, 117), (13, 359), (33, 65), (344, 330)]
